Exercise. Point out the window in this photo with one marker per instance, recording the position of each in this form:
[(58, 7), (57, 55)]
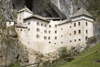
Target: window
[(49, 42), (20, 29), (86, 31), (41, 24), (79, 39), (38, 29), (9, 22), (55, 37), (61, 42), (28, 29), (61, 28), (49, 31), (55, 25), (45, 31), (45, 25), (86, 24), (86, 38), (28, 23), (48, 38), (61, 35), (74, 32), (38, 36), (45, 37), (79, 31), (70, 26), (70, 34), (37, 23), (49, 26), (54, 43), (79, 23), (70, 41), (74, 24), (75, 40), (55, 31)]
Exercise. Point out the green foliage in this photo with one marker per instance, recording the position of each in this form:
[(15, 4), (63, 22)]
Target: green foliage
[(89, 58), (15, 65)]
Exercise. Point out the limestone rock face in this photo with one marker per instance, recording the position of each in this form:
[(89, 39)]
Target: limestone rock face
[(48, 8)]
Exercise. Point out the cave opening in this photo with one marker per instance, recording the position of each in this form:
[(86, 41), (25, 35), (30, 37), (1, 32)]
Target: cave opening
[(28, 4)]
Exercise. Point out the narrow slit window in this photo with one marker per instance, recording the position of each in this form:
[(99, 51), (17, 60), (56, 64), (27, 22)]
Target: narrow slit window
[(74, 32), (74, 24), (79, 31)]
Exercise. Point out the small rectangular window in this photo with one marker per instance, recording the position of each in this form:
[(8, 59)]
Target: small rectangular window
[(79, 31), (41, 24), (79, 39), (70, 26), (54, 43), (49, 26), (45, 37), (45, 25), (86, 31), (37, 23), (48, 38), (49, 31), (61, 28), (9, 22), (75, 40), (55, 37), (61, 42), (20, 29), (55, 31), (74, 24), (49, 42), (86, 24), (74, 32), (28, 23), (45, 31), (55, 25), (38, 36), (70, 41), (28, 29), (61, 35), (38, 29), (79, 23)]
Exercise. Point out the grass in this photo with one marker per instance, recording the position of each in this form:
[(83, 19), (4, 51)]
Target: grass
[(86, 59)]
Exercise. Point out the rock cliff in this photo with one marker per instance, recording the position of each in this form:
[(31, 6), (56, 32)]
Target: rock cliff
[(11, 50)]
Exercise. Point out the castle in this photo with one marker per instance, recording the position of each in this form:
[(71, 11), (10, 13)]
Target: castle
[(47, 34)]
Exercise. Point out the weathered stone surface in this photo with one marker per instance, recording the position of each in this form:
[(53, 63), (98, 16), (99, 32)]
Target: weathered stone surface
[(48, 8)]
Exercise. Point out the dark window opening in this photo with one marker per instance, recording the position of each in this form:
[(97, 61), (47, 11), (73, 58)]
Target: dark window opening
[(79, 31), (38, 29), (38, 36), (86, 38), (86, 31), (79, 39), (79, 23), (75, 40), (55, 37), (49, 42), (45, 37), (86, 23), (49, 26), (74, 32), (55, 31), (74, 24), (55, 25), (49, 38)]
